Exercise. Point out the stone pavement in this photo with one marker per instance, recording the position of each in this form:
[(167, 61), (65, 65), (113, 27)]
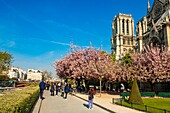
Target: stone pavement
[(78, 104), (105, 102)]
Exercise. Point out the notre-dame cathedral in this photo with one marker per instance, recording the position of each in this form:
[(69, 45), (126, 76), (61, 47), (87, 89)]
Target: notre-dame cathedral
[(153, 28)]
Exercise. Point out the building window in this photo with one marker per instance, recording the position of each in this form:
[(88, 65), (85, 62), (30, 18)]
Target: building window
[(131, 42), (115, 27), (128, 41), (127, 26), (142, 27), (124, 41), (123, 26)]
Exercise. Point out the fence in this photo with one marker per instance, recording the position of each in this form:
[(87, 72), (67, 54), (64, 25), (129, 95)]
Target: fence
[(141, 107)]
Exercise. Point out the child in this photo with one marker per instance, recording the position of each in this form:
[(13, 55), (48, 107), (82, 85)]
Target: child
[(62, 92)]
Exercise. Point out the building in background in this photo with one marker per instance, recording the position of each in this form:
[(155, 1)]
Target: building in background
[(123, 38), (16, 72), (34, 75), (154, 28)]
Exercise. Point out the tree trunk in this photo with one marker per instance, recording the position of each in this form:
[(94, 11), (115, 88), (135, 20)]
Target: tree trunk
[(100, 86)]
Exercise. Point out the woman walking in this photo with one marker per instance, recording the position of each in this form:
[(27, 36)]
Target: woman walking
[(90, 98)]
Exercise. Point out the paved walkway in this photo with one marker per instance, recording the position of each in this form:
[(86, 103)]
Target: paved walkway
[(78, 104)]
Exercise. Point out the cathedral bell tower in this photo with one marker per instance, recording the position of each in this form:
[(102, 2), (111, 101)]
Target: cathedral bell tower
[(122, 39)]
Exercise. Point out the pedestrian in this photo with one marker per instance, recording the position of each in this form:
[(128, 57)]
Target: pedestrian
[(66, 90), (57, 89), (90, 99), (47, 85), (122, 87), (62, 92), (52, 89), (74, 91), (42, 87)]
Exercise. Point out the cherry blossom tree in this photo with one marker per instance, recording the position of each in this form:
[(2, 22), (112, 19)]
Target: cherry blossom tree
[(153, 65), (87, 63)]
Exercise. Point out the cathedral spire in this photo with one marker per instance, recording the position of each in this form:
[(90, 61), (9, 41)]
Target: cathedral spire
[(148, 8)]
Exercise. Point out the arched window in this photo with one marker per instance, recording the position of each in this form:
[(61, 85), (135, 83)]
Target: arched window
[(115, 26), (127, 26), (123, 26)]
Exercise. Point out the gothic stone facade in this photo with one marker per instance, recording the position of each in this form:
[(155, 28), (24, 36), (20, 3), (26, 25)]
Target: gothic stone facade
[(123, 39), (153, 28)]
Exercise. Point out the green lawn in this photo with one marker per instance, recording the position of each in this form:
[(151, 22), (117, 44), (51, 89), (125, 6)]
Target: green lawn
[(161, 103)]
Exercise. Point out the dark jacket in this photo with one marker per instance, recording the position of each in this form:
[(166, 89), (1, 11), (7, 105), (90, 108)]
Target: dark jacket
[(42, 85), (66, 89), (52, 88), (90, 93)]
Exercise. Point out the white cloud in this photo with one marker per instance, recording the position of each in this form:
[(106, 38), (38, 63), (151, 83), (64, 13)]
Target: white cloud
[(11, 43), (60, 43), (7, 43)]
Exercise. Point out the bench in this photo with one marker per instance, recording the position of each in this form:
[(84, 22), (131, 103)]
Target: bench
[(125, 94), (143, 94), (164, 94), (147, 94)]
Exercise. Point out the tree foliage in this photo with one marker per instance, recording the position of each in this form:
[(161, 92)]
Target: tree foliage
[(113, 57), (5, 61), (126, 59), (47, 74), (151, 65), (87, 63)]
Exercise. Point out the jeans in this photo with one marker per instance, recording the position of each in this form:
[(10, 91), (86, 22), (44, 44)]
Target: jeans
[(41, 93), (90, 103)]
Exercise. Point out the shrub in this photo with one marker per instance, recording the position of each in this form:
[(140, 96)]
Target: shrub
[(20, 101), (4, 77), (135, 96)]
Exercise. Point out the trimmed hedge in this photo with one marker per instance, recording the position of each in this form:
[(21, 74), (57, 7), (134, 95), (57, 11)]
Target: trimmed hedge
[(20, 101), (135, 96)]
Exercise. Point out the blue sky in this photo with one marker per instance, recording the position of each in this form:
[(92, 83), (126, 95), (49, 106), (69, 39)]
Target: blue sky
[(39, 32)]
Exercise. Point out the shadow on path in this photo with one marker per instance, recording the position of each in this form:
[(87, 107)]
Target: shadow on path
[(40, 106), (110, 111), (86, 105)]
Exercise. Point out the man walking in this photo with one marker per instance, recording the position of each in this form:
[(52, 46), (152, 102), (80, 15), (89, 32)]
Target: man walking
[(42, 87)]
